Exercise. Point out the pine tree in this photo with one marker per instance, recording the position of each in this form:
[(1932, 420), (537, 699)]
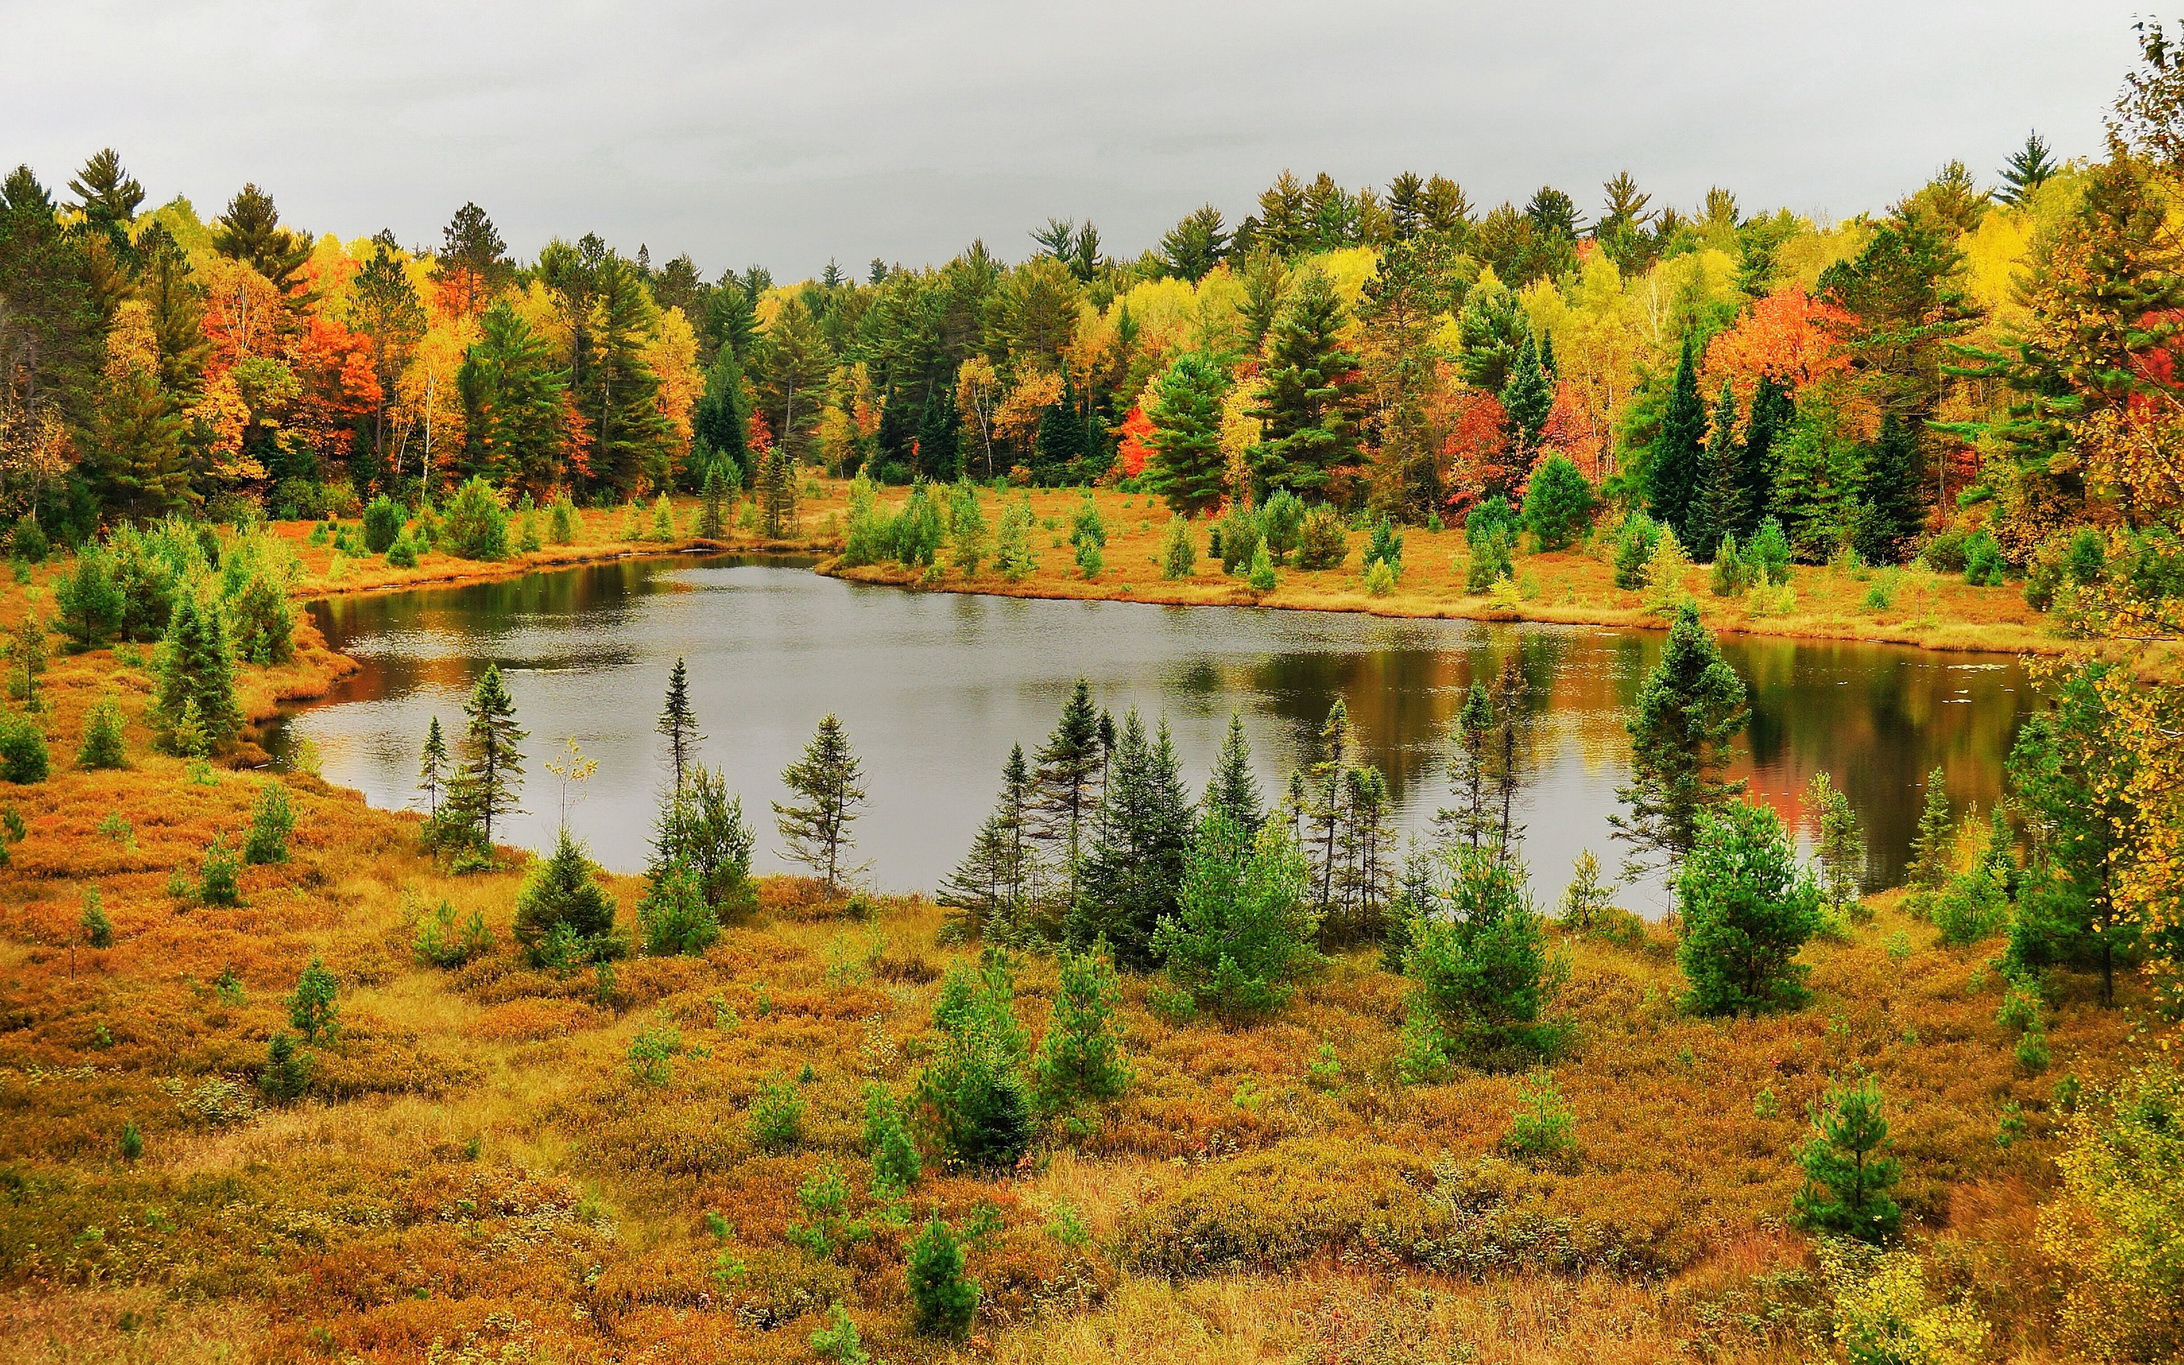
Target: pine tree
[(513, 397), (562, 903), (618, 398), (679, 724), (1690, 709), (1672, 477), (1718, 509), (993, 887), (312, 1007), (102, 745), (1838, 843), (89, 601), (1233, 791), (1081, 1055), (491, 762), (1066, 788), (943, 1300), (98, 930), (1772, 413), (1188, 462), (829, 780), (1747, 909), (1889, 489), (1468, 821), (1528, 397), (1476, 955), (1244, 931), (1847, 1174), (1312, 390), (967, 542), (1933, 845), (896, 1164), (197, 672), (1141, 833), (713, 504), (1326, 814), (432, 770), (2028, 169)]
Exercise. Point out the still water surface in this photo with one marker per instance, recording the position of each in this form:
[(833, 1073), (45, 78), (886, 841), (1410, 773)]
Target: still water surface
[(934, 688)]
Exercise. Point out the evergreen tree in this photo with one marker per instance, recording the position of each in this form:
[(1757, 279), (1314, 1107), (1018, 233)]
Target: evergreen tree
[(1528, 397), (491, 762), (1326, 815), (974, 1086), (830, 781), (312, 1007), (721, 420), (1233, 791), (1747, 911), (1558, 503), (136, 446), (432, 769), (618, 397), (98, 930), (1847, 1174), (1141, 833), (2070, 780), (1244, 931), (1933, 846), (713, 504), (1673, 474), (102, 745), (1469, 820), (250, 232), (967, 539), (1772, 413), (90, 602), (197, 673), (679, 724), (2029, 168), (1889, 490), (562, 903), (1312, 389), (1838, 843), (993, 887), (943, 1300), (1081, 1055), (1188, 463), (513, 398), (1475, 950), (701, 832), (1178, 551), (1718, 507), (1066, 784), (272, 820), (1690, 709), (896, 1164)]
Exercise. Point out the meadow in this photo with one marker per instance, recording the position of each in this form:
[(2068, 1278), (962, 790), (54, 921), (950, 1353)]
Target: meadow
[(500, 1162)]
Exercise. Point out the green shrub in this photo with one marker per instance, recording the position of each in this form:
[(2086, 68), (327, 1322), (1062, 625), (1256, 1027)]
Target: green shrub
[(98, 930), (776, 1115), (216, 876), (402, 554), (272, 819), (1984, 566), (1847, 1172), (652, 1054), (26, 541), (1244, 933), (838, 1340), (89, 601), (1261, 579), (132, 1141), (561, 521), (440, 943), (1322, 543), (674, 917), (1748, 910), (1477, 961), (974, 1085), (1635, 544), (1178, 550), (102, 745), (1730, 576), (561, 892), (312, 1006), (1282, 521), (287, 1073), (1081, 1055), (1379, 579), (1558, 503), (22, 750), (383, 523), (1385, 546), (477, 524), (1541, 1127), (943, 1300), (896, 1165)]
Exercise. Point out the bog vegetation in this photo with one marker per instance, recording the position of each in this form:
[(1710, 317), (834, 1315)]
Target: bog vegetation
[(1171, 1066)]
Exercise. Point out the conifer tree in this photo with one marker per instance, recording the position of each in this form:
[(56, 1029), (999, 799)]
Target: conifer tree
[(618, 395), (1178, 551), (1141, 833), (197, 672), (1932, 846), (829, 780), (679, 724), (1326, 813), (562, 903), (1747, 909), (1690, 709), (1475, 951), (1188, 463), (2029, 167), (1527, 397), (1081, 1055), (1066, 777), (490, 774), (1468, 821), (1838, 843), (102, 745), (713, 504), (1672, 478), (1312, 390), (1718, 507), (432, 769), (1244, 932), (1772, 413), (993, 887), (89, 600), (944, 1301), (1233, 790), (974, 1086), (1847, 1172), (312, 1007), (514, 403), (967, 541), (1889, 489)]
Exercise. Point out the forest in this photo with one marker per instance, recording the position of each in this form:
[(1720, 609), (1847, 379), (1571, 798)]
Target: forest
[(1169, 1069)]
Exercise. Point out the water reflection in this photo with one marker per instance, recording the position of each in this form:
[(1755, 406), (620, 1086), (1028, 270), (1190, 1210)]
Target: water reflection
[(935, 688)]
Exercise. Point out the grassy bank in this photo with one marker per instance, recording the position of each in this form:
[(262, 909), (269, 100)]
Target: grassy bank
[(479, 1173), (1934, 611)]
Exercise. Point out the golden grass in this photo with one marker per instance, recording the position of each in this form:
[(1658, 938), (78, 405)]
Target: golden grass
[(478, 1167)]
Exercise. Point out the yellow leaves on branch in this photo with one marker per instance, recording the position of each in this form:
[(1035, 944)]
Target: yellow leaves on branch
[(2133, 456), (1017, 418)]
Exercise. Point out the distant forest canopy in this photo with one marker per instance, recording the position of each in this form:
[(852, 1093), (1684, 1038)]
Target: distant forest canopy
[(1995, 353)]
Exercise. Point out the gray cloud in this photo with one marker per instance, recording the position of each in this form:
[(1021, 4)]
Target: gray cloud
[(789, 134)]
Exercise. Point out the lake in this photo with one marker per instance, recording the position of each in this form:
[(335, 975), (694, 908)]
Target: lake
[(933, 688)]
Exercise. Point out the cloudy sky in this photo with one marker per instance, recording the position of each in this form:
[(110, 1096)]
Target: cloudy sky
[(788, 134)]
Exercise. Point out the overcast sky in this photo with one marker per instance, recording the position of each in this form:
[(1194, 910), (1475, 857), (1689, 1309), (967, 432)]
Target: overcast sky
[(787, 134)]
